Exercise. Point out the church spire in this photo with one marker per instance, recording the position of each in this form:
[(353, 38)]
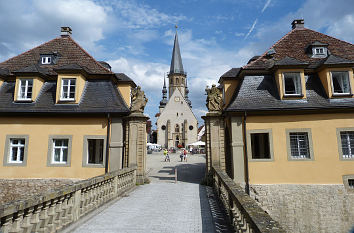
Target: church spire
[(176, 61), (163, 102)]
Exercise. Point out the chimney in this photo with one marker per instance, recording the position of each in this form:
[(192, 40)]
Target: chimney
[(66, 31), (298, 23)]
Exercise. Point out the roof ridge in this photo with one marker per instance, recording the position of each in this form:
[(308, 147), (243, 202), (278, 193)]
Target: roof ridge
[(77, 44), (286, 35), (31, 49)]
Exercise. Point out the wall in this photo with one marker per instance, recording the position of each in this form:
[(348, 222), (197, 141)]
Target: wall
[(38, 129), (325, 148), (307, 208), (229, 89), (125, 89)]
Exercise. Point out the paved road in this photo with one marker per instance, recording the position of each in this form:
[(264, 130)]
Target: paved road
[(162, 205)]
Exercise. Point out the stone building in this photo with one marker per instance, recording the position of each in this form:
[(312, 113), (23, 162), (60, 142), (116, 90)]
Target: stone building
[(176, 123), (65, 115), (286, 130)]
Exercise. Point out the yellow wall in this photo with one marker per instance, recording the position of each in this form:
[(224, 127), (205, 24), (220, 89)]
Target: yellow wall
[(37, 85), (229, 89), (326, 168), (39, 130), (279, 82), (80, 84), (326, 80), (124, 89)]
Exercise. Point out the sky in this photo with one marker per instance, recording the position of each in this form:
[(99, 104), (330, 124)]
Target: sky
[(136, 37)]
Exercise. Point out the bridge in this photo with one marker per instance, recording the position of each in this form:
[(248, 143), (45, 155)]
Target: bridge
[(175, 200)]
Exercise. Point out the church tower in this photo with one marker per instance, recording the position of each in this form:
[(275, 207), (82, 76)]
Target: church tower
[(176, 76)]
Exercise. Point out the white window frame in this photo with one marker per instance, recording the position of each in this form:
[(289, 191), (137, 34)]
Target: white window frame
[(66, 96), (26, 85), (349, 86), (61, 147), (18, 146), (319, 51), (299, 83), (46, 60)]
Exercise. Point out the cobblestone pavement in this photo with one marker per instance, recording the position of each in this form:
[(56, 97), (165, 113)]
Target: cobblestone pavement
[(162, 205)]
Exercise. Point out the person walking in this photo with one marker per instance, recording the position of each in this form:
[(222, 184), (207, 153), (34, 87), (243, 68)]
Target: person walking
[(185, 155), (182, 155), (167, 157)]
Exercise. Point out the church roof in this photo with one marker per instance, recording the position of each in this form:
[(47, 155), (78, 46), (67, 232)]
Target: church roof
[(176, 61)]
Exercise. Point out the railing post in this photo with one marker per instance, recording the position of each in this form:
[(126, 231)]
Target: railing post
[(76, 205)]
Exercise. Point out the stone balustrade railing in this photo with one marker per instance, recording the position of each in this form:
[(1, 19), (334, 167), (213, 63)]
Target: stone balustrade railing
[(245, 215), (54, 210)]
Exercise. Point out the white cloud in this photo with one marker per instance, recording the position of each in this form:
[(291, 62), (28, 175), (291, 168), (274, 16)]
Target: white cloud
[(266, 5), (252, 28)]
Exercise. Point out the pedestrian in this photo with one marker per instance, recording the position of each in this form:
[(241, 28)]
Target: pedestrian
[(185, 155), (167, 157), (181, 156)]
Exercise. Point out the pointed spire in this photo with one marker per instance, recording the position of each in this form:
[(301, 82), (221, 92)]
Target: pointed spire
[(176, 62), (186, 96), (163, 102)]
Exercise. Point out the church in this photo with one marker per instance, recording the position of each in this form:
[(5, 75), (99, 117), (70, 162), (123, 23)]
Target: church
[(176, 124)]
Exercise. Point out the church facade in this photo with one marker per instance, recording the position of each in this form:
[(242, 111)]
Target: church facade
[(177, 126)]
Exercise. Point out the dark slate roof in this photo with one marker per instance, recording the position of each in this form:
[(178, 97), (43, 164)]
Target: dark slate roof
[(35, 68), (176, 61), (257, 93), (68, 51), (295, 43), (317, 43), (232, 73), (124, 78), (332, 60), (289, 61), (99, 96)]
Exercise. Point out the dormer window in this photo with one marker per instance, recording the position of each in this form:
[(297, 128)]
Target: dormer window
[(25, 89), (340, 83), (68, 87), (292, 84), (319, 51), (46, 60)]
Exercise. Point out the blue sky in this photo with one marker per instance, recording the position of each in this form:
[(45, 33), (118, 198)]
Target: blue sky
[(136, 37)]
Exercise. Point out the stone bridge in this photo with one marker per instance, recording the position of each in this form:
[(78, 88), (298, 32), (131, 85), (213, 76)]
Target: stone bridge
[(114, 203)]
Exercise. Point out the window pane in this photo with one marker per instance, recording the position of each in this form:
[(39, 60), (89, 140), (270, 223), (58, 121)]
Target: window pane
[(65, 155), (292, 83), (299, 145), (22, 153), (260, 146), (57, 155), (347, 139), (340, 82), (13, 153), (95, 151)]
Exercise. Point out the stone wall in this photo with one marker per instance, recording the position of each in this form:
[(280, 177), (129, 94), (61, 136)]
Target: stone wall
[(14, 189), (307, 208)]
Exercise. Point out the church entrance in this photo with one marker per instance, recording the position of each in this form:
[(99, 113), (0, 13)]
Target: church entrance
[(177, 141)]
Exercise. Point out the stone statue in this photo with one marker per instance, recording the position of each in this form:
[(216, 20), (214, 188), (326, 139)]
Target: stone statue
[(138, 100), (214, 99)]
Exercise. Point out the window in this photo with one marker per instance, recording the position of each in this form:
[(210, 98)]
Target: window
[(351, 183), (260, 146), (16, 150), (25, 89), (319, 51), (292, 84), (46, 60), (348, 181), (60, 150), (67, 89), (177, 128), (347, 139), (340, 82), (95, 151), (299, 145)]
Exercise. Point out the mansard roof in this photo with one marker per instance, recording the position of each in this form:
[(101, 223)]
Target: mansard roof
[(65, 48), (99, 96), (294, 45)]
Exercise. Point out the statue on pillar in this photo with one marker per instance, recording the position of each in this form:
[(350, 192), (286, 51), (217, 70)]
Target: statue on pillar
[(214, 99), (138, 100)]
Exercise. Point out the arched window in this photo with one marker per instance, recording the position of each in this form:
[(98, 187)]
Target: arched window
[(177, 81), (177, 128)]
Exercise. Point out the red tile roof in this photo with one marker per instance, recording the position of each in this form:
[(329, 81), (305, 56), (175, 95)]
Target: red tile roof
[(294, 45), (68, 50)]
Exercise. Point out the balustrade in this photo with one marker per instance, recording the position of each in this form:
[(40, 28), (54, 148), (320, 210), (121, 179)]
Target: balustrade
[(244, 213), (53, 211)]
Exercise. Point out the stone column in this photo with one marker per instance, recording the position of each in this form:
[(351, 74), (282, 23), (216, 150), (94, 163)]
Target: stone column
[(237, 150), (136, 144), (215, 140), (116, 145)]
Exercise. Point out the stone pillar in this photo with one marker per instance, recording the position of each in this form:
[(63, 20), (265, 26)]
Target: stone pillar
[(116, 145), (136, 144), (215, 140), (237, 150)]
